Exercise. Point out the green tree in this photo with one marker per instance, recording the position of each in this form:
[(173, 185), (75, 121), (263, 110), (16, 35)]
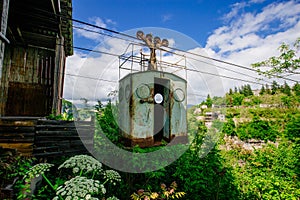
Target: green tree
[(209, 101), (248, 90), (286, 89), (296, 89), (274, 87), (237, 99), (262, 90), (106, 117), (230, 91), (287, 101), (292, 130), (235, 90), (229, 127), (268, 91), (288, 62)]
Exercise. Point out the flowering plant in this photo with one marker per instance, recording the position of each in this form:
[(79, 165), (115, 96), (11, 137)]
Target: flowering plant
[(165, 193), (81, 187)]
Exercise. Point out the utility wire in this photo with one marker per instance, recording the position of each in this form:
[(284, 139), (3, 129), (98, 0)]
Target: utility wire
[(188, 69), (230, 70), (223, 76), (88, 77), (85, 49), (95, 51)]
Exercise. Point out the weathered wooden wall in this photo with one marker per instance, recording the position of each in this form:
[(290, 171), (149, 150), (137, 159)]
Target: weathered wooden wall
[(31, 136), (27, 81), (4, 7)]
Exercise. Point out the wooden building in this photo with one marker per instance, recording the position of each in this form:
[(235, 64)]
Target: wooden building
[(35, 39)]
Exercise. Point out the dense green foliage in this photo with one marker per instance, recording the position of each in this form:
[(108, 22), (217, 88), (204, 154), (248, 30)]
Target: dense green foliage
[(268, 173), (256, 129), (107, 121)]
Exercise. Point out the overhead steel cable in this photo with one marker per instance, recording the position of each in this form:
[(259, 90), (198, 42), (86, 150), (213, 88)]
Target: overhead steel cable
[(223, 76), (189, 69), (88, 77), (100, 33), (95, 51)]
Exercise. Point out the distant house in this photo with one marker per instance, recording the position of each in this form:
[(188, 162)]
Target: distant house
[(197, 111), (221, 117), (256, 92), (35, 39), (209, 116), (203, 107)]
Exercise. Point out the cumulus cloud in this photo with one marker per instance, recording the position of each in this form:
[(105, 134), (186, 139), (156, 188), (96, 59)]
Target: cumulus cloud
[(250, 37), (92, 33), (166, 17), (248, 30), (93, 76), (245, 38)]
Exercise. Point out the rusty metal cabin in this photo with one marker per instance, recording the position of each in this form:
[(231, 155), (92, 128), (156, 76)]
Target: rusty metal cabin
[(152, 107), (152, 100), (36, 36)]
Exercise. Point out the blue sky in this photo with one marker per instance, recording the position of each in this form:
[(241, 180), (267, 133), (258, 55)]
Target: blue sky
[(242, 32)]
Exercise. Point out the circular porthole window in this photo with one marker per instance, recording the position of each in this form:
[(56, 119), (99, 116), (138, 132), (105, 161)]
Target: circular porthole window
[(179, 95), (143, 91), (158, 98)]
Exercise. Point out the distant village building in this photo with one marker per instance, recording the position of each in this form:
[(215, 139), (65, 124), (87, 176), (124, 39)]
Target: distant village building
[(204, 107), (197, 111), (221, 117), (36, 37), (256, 92)]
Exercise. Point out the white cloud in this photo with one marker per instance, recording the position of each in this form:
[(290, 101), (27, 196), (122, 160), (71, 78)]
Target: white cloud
[(166, 17), (252, 37), (96, 75), (256, 1), (92, 33), (247, 30)]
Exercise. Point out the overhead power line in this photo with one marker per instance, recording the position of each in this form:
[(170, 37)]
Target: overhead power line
[(188, 69)]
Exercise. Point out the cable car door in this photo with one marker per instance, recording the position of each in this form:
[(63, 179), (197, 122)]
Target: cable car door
[(161, 109)]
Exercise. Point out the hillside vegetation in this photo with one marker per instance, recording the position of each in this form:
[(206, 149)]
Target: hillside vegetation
[(272, 119)]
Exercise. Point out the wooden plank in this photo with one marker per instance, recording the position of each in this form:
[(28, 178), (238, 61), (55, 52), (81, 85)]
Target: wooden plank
[(18, 140), (16, 129), (17, 134), (17, 123), (54, 132), (18, 146)]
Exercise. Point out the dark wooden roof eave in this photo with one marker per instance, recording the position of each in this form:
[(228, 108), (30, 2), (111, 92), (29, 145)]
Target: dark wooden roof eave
[(39, 23)]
